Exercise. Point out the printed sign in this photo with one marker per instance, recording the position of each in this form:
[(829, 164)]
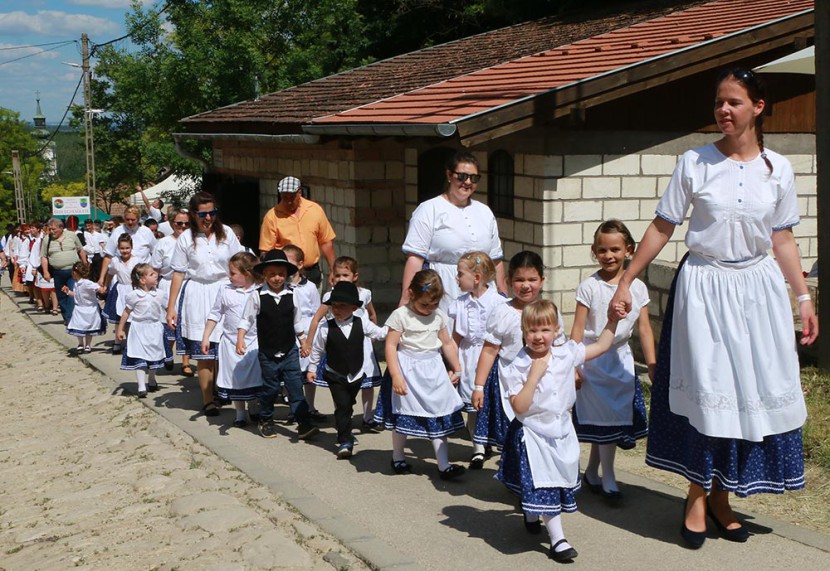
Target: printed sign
[(66, 205)]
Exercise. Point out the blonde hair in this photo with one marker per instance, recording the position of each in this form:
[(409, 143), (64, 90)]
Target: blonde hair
[(133, 210), (480, 263), (244, 263), (540, 312), (426, 284)]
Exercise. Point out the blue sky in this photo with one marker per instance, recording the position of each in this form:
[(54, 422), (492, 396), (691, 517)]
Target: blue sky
[(32, 22)]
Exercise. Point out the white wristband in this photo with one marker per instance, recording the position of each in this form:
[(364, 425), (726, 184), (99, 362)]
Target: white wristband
[(803, 298), (478, 388)]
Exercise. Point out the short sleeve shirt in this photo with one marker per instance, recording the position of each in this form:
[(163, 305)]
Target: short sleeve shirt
[(595, 294), (418, 332)]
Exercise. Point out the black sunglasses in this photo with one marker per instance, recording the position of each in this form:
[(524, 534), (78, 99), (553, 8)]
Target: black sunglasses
[(184, 223), (462, 177), (212, 213)]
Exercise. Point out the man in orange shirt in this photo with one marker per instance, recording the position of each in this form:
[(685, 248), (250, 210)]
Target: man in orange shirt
[(302, 222)]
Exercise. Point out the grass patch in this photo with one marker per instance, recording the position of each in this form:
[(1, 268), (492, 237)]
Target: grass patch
[(816, 387)]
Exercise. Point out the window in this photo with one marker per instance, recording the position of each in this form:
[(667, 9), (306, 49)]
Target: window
[(432, 172), (500, 183)]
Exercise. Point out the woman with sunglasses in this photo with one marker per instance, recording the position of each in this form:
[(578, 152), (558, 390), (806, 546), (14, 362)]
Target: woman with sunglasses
[(445, 227), (200, 271), (161, 261), (727, 407)]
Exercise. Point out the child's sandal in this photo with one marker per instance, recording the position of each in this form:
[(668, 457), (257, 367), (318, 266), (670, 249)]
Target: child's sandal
[(187, 370), (401, 467)]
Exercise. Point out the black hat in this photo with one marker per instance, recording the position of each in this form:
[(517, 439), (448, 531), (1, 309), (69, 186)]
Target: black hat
[(276, 257), (344, 292)]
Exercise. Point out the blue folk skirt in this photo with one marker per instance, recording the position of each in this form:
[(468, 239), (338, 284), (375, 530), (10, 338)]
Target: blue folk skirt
[(491, 423), (132, 363), (774, 465), (514, 472), (191, 347), (625, 436), (417, 426)]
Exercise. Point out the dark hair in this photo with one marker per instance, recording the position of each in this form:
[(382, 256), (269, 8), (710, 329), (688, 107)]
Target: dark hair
[(426, 283), (81, 268), (161, 203), (461, 157), (756, 90), (125, 238), (196, 201), (297, 251), (138, 272), (150, 221), (525, 259), (347, 261), (614, 226)]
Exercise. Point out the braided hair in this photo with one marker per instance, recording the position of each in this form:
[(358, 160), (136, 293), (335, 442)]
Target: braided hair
[(756, 90)]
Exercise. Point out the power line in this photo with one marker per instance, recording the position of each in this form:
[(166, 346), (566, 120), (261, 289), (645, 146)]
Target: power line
[(37, 45), (38, 53), (95, 46)]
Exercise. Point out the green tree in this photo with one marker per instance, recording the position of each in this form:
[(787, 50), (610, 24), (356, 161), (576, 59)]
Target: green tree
[(15, 136), (53, 190)]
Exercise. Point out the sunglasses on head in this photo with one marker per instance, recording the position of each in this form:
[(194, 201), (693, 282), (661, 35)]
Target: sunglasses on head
[(211, 213), (462, 177)]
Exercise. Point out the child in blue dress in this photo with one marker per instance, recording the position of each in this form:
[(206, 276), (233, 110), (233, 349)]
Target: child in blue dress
[(540, 462), (418, 397), (610, 410)]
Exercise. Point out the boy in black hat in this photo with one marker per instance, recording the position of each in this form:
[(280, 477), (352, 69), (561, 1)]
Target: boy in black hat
[(342, 340), (278, 324)]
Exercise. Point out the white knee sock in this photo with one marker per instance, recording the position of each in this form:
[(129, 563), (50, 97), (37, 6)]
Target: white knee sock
[(442, 453), (88, 341), (554, 527), (140, 375), (471, 428), (368, 396), (398, 442), (239, 406), (606, 460), (592, 469)]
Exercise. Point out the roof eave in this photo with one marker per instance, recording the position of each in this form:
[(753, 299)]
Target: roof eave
[(442, 130)]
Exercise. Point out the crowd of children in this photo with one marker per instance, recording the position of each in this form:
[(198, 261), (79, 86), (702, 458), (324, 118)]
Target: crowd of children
[(504, 363)]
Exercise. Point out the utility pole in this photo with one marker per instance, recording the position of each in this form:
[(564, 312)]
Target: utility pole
[(19, 199), (823, 179), (88, 134)]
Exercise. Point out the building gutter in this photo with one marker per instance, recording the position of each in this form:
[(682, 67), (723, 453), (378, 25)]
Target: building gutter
[(295, 139), (382, 129)]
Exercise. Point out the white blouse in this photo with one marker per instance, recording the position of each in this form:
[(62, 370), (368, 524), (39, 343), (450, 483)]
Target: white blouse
[(143, 242), (595, 294), (230, 304), (85, 293), (162, 257), (123, 270), (471, 314), (205, 261), (419, 333), (146, 306), (737, 205)]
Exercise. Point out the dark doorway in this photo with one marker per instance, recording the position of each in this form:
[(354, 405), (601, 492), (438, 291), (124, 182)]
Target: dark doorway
[(432, 175), (238, 199)]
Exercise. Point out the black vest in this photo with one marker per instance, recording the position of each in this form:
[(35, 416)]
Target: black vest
[(275, 323), (345, 356)]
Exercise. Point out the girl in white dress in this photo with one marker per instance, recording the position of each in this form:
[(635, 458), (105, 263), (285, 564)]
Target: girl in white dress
[(121, 269), (418, 397), (540, 462), (346, 269), (469, 314), (610, 409), (87, 319), (144, 309), (239, 378)]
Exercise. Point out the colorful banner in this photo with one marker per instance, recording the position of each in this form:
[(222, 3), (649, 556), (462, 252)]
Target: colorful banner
[(66, 205)]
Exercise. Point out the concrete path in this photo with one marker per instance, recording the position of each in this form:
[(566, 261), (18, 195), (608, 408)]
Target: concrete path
[(414, 521)]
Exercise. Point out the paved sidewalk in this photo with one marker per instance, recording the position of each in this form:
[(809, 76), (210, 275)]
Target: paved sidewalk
[(392, 522)]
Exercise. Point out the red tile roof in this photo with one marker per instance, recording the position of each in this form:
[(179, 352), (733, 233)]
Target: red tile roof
[(460, 97), (416, 70)]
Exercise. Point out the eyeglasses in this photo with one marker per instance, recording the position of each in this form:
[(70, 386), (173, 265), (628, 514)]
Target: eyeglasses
[(462, 177), (212, 213), (185, 224)]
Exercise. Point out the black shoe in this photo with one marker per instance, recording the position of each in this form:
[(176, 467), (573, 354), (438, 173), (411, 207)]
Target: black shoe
[(290, 419), (562, 556), (452, 472), (593, 488), (210, 409), (371, 426), (316, 416), (345, 450), (693, 539), (267, 429), (240, 423), (477, 461), (168, 365), (142, 394), (305, 431), (116, 348), (254, 417), (152, 387), (533, 527), (401, 467), (612, 496), (739, 535)]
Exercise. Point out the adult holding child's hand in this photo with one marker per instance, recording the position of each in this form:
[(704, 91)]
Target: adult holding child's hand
[(727, 406)]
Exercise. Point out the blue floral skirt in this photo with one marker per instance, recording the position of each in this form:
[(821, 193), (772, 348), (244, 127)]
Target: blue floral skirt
[(132, 363), (110, 311), (491, 423), (774, 465), (624, 437), (417, 426), (514, 473), (191, 347)]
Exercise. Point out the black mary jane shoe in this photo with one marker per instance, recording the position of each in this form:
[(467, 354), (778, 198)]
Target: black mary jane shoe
[(693, 539), (533, 527), (593, 488), (452, 472), (739, 535), (477, 461), (563, 556), (401, 467)]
